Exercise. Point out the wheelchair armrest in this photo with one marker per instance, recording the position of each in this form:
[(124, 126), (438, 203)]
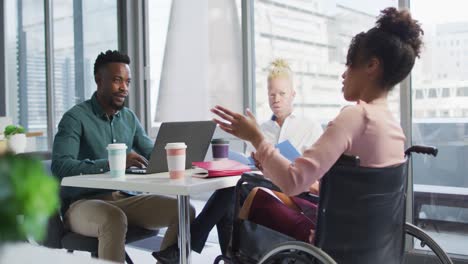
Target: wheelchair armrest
[(258, 180), (309, 197), (428, 150)]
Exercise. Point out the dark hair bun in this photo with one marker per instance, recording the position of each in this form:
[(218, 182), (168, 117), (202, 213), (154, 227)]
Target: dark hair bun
[(402, 25)]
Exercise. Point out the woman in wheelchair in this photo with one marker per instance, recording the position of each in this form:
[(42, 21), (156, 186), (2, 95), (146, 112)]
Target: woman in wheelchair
[(377, 60)]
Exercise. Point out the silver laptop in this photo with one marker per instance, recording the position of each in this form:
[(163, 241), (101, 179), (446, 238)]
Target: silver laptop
[(196, 135)]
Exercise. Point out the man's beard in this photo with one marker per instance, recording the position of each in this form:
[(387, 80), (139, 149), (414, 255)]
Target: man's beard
[(115, 106)]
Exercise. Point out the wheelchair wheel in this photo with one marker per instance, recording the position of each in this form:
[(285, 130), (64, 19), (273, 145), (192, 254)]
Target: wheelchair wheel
[(296, 252), (428, 241)]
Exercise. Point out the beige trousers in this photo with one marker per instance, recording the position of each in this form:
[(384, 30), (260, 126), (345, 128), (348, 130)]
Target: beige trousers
[(107, 217)]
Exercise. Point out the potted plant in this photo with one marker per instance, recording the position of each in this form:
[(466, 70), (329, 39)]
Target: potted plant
[(28, 197), (16, 138)]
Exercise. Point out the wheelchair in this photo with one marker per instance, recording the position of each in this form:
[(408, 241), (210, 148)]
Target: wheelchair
[(360, 219)]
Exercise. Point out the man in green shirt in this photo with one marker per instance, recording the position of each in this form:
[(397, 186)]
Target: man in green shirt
[(80, 148)]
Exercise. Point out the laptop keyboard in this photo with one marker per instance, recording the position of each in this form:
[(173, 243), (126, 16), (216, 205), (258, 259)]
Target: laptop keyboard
[(136, 171)]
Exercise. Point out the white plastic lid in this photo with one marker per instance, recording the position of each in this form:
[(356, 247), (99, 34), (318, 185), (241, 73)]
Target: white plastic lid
[(116, 146), (176, 145)]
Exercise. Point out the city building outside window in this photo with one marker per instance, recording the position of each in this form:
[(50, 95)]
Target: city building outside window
[(313, 36)]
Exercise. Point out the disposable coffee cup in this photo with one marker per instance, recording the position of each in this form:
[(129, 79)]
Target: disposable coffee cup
[(117, 159), (176, 159), (220, 149)]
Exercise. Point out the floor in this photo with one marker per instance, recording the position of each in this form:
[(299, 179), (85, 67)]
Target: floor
[(141, 256), (140, 252)]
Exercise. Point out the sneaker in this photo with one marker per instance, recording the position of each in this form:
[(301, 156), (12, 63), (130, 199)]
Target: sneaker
[(169, 255)]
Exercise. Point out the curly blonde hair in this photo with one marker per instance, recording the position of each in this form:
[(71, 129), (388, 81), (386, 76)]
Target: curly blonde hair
[(279, 68)]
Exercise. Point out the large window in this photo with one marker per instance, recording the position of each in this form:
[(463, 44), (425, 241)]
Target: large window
[(195, 57), (80, 30), (25, 43), (77, 42), (313, 36), (441, 119)]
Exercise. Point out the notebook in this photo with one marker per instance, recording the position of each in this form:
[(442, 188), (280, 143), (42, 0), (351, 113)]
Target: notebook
[(219, 168), (288, 150)]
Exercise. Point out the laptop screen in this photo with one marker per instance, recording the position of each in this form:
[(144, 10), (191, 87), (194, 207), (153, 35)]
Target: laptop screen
[(195, 134)]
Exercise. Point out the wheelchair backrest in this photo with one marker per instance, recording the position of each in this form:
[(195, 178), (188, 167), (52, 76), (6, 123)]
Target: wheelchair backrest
[(362, 214)]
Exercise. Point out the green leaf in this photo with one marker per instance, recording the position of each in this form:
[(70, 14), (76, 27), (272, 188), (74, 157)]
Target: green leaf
[(12, 130), (20, 130), (9, 130), (27, 191)]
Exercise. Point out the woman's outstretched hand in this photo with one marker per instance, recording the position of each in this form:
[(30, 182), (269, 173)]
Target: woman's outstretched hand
[(242, 126)]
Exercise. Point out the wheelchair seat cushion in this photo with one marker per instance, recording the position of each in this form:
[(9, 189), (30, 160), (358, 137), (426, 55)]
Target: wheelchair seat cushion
[(270, 212)]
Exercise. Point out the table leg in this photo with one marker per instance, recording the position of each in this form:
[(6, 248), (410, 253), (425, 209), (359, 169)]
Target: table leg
[(184, 228)]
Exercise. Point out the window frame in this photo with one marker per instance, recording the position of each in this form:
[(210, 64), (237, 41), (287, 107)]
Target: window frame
[(3, 61), (49, 70)]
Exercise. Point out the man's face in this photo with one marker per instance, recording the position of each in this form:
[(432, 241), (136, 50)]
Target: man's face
[(280, 96), (112, 84)]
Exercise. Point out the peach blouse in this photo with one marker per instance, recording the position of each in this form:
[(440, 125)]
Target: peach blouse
[(367, 130)]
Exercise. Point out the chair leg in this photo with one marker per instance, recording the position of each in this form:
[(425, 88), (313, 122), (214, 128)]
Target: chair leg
[(127, 258)]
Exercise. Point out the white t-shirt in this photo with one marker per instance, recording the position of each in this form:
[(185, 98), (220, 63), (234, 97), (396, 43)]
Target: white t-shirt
[(300, 131)]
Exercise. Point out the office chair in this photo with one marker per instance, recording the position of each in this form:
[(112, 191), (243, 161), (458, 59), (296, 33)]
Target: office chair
[(59, 237)]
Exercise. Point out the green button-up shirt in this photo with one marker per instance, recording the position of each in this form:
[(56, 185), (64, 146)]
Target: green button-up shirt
[(83, 135)]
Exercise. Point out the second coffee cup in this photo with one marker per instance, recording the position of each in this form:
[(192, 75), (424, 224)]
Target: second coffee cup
[(176, 159), (220, 148)]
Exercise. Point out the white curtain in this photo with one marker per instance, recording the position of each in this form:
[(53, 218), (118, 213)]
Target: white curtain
[(202, 62)]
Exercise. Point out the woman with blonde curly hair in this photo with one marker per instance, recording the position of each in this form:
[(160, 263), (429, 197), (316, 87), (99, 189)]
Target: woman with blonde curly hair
[(284, 123)]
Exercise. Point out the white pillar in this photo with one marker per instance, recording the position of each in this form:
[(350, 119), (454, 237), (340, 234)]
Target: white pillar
[(202, 61)]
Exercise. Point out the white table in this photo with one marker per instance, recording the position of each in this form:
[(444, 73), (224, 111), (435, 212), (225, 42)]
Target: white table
[(159, 183)]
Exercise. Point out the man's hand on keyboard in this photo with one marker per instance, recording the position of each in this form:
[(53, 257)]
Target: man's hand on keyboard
[(136, 160)]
